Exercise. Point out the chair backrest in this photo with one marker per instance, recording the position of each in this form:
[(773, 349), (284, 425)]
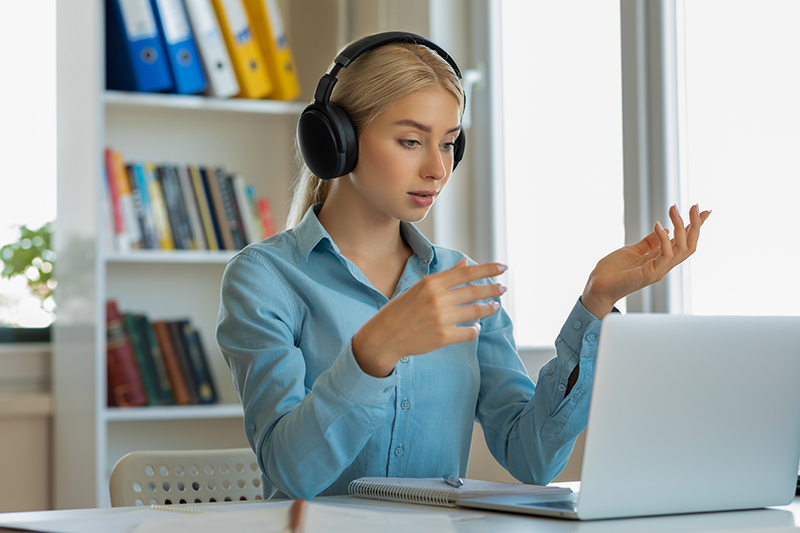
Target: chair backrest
[(191, 476)]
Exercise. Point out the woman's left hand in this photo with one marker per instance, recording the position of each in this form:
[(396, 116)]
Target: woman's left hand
[(636, 266)]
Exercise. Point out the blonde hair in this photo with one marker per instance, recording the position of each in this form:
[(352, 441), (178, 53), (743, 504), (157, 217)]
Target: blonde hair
[(365, 89)]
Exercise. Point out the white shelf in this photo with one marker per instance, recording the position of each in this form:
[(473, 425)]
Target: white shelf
[(200, 257), (204, 103), (177, 412)]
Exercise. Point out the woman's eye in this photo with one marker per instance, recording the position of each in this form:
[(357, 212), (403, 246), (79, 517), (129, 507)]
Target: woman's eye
[(409, 143), (448, 146)]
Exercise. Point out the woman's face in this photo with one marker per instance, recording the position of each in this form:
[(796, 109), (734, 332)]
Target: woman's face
[(406, 155)]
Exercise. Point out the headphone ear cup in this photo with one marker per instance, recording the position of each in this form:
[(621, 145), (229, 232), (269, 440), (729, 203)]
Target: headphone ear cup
[(458, 148), (327, 140)]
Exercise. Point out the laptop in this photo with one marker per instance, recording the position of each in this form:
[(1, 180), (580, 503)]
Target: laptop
[(688, 414)]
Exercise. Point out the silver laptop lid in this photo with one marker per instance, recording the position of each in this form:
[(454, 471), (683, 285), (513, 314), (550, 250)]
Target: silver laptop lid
[(692, 413)]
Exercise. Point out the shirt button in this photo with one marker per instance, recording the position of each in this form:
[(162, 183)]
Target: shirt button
[(405, 405), (562, 388), (404, 360), (399, 451), (590, 337), (577, 324), (251, 427)]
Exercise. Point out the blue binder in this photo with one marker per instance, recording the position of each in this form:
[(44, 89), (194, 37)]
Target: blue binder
[(135, 55), (184, 61)]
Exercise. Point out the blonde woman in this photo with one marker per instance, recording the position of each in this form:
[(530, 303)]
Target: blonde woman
[(359, 348)]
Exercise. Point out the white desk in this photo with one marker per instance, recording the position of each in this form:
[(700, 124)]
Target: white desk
[(776, 520)]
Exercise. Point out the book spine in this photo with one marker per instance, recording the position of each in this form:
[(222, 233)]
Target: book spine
[(126, 204), (250, 194), (266, 217), (192, 209), (151, 344), (212, 183), (141, 201), (204, 208), (176, 212), (183, 356), (233, 213), (124, 381), (206, 391), (143, 360), (159, 208), (116, 209), (251, 234), (180, 389)]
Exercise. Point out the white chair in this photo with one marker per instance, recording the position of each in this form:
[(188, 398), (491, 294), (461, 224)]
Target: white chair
[(189, 476)]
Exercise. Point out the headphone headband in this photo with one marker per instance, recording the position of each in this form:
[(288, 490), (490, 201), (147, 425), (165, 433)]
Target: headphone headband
[(326, 136)]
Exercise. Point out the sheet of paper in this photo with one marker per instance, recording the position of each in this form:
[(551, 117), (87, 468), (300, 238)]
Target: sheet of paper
[(320, 517)]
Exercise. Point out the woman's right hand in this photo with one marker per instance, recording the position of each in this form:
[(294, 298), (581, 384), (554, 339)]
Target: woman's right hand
[(425, 317)]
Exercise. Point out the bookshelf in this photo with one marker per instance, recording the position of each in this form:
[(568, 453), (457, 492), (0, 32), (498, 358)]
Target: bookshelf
[(254, 137)]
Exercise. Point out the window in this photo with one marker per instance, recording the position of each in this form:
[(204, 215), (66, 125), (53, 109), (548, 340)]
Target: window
[(28, 150), (739, 116), (562, 139)]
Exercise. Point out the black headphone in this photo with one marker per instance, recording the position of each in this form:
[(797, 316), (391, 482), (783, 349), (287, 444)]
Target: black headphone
[(325, 133)]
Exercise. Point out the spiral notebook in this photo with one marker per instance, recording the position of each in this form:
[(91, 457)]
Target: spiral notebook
[(435, 491)]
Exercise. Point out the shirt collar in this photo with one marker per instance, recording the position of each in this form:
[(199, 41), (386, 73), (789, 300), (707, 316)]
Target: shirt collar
[(309, 233)]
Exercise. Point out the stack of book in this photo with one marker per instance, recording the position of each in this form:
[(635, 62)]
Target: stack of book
[(222, 48), (182, 207), (155, 362)]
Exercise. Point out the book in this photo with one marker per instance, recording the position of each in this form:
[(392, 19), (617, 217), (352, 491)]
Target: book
[(158, 207), (125, 386), (141, 202), (144, 360), (212, 178), (233, 212), (435, 491), (243, 204), (204, 208), (198, 240), (133, 235), (151, 343), (266, 218), (113, 195), (183, 355), (206, 392), (177, 214), (177, 377)]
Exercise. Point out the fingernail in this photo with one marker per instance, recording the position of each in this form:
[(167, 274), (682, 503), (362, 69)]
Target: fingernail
[(502, 268), (502, 288), (476, 326), (495, 304), (659, 226)]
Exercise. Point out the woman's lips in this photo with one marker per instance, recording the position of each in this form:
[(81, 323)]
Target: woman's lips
[(423, 198)]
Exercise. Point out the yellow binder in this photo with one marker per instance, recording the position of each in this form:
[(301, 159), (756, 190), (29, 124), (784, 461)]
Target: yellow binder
[(248, 62), (270, 33)]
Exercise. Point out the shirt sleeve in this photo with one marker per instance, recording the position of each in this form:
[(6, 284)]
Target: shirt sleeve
[(531, 429), (303, 438)]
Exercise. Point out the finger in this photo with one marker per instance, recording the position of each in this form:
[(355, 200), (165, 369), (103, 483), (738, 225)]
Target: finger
[(697, 219), (680, 230), (475, 292), (460, 275), (473, 312), (664, 259)]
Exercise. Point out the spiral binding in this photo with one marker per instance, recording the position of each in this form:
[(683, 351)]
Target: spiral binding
[(400, 493)]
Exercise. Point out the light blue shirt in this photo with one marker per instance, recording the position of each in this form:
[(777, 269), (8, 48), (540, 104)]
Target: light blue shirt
[(290, 306)]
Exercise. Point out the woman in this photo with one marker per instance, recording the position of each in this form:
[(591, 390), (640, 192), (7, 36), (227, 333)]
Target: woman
[(360, 349)]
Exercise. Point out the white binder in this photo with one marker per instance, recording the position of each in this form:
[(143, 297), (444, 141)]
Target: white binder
[(213, 52)]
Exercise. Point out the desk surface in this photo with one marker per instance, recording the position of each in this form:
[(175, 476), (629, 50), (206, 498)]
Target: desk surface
[(773, 520)]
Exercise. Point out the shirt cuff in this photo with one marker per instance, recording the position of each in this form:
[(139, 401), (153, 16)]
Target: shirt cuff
[(356, 385), (581, 331)]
